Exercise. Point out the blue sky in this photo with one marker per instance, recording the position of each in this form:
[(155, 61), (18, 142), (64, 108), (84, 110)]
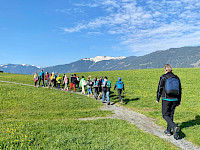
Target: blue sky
[(49, 32)]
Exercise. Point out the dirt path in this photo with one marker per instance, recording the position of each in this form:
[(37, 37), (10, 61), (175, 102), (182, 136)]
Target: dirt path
[(141, 121)]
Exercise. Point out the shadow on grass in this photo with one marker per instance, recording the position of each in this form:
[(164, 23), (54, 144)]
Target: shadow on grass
[(126, 101), (189, 123), (115, 98)]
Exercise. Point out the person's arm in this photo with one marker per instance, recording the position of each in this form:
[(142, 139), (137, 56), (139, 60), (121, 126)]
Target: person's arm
[(115, 86), (160, 88), (180, 93)]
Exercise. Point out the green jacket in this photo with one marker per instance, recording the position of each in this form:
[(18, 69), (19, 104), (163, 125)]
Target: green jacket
[(81, 82)]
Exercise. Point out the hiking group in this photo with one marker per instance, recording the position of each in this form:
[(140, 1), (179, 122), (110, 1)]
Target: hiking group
[(99, 88), (169, 88)]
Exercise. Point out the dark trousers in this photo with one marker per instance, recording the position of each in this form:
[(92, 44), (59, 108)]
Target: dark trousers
[(96, 92), (36, 82), (58, 85), (42, 81), (54, 82), (119, 93), (168, 108)]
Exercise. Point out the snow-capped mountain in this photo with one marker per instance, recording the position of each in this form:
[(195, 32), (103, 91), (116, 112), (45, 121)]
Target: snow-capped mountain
[(19, 68), (101, 58), (185, 57), (31, 66)]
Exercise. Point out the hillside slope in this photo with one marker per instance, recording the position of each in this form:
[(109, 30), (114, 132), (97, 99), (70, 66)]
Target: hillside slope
[(185, 57)]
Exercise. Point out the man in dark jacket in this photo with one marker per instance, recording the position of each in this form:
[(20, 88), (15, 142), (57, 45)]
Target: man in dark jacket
[(73, 81), (169, 88)]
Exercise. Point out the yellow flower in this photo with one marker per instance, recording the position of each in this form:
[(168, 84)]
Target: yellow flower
[(26, 136)]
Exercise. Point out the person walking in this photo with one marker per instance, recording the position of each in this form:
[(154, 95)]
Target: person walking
[(82, 84), (59, 80), (100, 88), (96, 88), (55, 81), (47, 79), (169, 88), (49, 84), (106, 85), (73, 81), (63, 85), (35, 79), (66, 82), (52, 80), (89, 86), (41, 77), (120, 86)]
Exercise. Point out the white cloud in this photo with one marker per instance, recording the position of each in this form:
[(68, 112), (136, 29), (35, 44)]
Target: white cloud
[(147, 26)]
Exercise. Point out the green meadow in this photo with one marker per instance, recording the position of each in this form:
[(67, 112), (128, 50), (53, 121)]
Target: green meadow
[(140, 95), (40, 118)]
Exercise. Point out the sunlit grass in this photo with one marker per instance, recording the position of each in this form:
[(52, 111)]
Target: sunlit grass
[(140, 87)]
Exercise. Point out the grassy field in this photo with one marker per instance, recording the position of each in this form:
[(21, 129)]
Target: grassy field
[(38, 118), (141, 87)]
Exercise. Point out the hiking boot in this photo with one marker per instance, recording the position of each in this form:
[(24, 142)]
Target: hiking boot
[(167, 133), (108, 103), (175, 133)]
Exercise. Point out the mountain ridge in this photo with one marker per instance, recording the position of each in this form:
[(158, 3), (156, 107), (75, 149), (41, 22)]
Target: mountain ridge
[(185, 57)]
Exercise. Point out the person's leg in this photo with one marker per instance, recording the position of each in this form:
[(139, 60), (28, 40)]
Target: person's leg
[(39, 81), (82, 92), (35, 83), (55, 83), (78, 86), (43, 82), (167, 109), (108, 98), (70, 86), (83, 89), (74, 87), (52, 83), (88, 90), (95, 93), (66, 88), (91, 90), (103, 96), (119, 93)]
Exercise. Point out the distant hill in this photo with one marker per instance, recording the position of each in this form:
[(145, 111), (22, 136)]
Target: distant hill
[(19, 69), (185, 57)]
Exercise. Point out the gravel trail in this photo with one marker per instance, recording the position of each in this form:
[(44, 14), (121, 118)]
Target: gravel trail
[(141, 121)]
